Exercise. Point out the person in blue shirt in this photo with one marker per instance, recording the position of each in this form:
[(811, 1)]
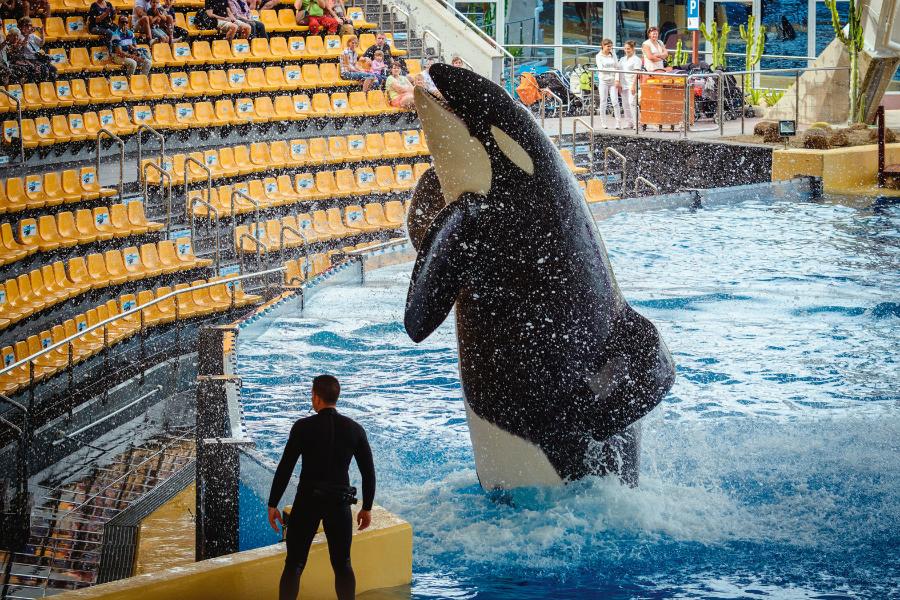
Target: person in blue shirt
[(123, 49)]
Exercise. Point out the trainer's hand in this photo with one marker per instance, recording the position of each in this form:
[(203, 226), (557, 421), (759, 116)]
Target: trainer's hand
[(275, 517), (364, 519)]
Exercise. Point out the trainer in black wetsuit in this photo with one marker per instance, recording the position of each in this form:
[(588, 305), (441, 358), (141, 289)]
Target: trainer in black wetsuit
[(327, 441)]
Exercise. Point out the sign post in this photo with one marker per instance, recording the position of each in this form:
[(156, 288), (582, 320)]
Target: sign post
[(693, 25)]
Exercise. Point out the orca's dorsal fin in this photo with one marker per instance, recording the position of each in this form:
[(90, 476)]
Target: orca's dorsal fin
[(446, 252)]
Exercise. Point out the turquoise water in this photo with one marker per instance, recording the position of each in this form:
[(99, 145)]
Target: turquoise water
[(771, 469)]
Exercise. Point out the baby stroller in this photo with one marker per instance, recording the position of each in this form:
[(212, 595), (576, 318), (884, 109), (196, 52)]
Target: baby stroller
[(570, 103), (706, 104)]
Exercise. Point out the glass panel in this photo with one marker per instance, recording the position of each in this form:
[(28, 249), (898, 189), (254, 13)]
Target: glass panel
[(673, 24), (786, 27), (582, 25), (632, 19), (480, 13)]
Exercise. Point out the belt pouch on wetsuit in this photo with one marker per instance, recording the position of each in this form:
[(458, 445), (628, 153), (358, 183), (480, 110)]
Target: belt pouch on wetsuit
[(334, 493)]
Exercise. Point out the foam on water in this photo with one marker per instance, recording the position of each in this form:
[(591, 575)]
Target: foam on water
[(771, 469)]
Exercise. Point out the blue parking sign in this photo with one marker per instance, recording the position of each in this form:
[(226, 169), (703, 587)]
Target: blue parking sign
[(693, 15)]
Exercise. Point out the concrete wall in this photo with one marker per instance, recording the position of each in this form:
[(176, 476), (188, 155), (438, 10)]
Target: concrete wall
[(456, 36), (676, 165), (843, 170)]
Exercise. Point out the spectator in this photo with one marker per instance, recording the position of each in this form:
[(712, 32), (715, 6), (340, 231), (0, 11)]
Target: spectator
[(427, 82), (42, 68), (161, 20), (179, 33), (654, 51), (608, 64), (21, 70), (629, 65), (318, 15), (101, 19), (216, 15), (352, 70), (124, 51), (381, 44), (241, 12), (143, 24), (399, 88), (457, 61), (378, 65), (13, 9), (340, 12), (37, 9), (263, 4), (6, 73)]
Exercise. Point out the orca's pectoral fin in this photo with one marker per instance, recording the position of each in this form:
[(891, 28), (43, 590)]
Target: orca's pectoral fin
[(445, 255), (634, 374), (426, 202)]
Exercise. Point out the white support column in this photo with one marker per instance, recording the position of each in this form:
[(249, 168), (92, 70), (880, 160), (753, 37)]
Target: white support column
[(757, 20), (653, 17), (500, 21), (710, 11), (557, 33), (811, 30), (610, 8)]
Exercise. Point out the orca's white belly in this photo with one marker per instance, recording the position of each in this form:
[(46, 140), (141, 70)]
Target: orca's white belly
[(504, 460)]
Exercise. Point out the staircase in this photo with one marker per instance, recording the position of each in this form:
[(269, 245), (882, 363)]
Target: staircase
[(67, 522)]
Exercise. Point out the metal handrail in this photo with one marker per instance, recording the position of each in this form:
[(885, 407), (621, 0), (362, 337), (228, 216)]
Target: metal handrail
[(259, 245), (425, 33), (24, 435), (395, 7), (639, 50), (606, 152), (162, 145), (128, 313), (559, 101), (212, 208), (591, 131), (290, 229), (647, 183), (164, 175), (245, 196), (367, 249), (19, 121), (187, 173), (104, 131)]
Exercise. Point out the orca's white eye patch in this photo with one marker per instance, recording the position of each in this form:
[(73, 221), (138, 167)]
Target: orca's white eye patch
[(512, 150)]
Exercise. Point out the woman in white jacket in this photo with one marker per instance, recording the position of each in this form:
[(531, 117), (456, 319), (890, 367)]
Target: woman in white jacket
[(630, 64), (608, 64)]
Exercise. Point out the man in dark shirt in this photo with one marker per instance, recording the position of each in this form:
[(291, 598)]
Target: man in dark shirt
[(327, 441)]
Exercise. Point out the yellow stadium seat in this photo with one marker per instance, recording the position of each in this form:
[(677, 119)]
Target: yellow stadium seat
[(412, 143), (205, 113), (404, 179), (393, 145), (244, 110), (131, 259), (366, 182), (45, 133), (303, 106), (182, 54), (384, 179), (162, 56), (375, 216), (240, 51), (595, 191), (119, 88), (414, 66), (99, 89), (366, 40), (288, 20), (394, 50), (115, 267), (237, 81), (75, 28), (395, 213), (333, 46), (54, 192), (151, 262), (297, 47), (419, 169), (323, 228), (285, 110), (359, 105), (198, 84), (269, 18), (306, 188), (31, 97), (321, 105), (222, 54), (60, 61), (158, 88), (259, 50), (218, 81), (315, 47), (65, 224), (180, 85), (203, 53), (54, 29), (118, 214), (28, 134), (356, 148), (122, 124), (337, 149), (185, 115), (256, 81), (299, 152), (265, 110), (79, 91), (375, 147), (318, 150), (97, 273), (567, 158), (186, 255), (358, 16), (279, 48), (81, 61), (311, 77), (275, 79), (242, 160), (331, 76)]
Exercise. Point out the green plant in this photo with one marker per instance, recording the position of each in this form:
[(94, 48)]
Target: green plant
[(755, 44), (680, 58), (853, 40), (772, 96), (755, 95), (718, 40)]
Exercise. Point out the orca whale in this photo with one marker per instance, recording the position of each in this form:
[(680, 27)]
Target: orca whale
[(556, 367)]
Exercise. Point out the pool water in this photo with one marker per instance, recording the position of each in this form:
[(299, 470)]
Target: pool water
[(772, 468)]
